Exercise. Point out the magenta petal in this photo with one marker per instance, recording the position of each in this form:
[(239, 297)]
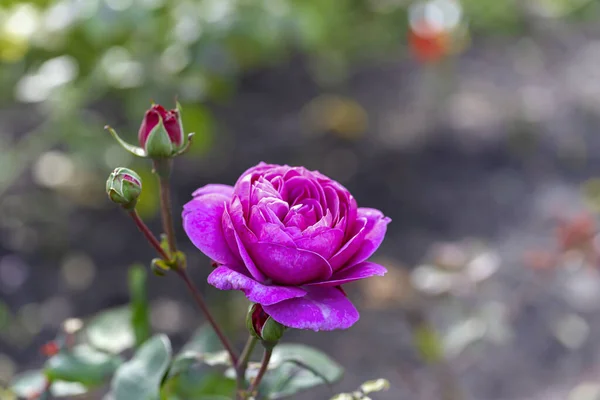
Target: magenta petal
[(255, 272), (225, 190), (287, 265), (238, 221), (322, 309), (354, 273), (374, 234), (324, 243), (350, 248), (202, 223), (228, 278)]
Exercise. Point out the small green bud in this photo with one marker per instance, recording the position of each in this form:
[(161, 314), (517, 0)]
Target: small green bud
[(124, 187), (272, 331), (159, 267), (262, 326)]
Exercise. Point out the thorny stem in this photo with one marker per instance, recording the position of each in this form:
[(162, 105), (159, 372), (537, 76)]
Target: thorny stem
[(242, 363), (261, 372), (202, 304), (148, 234)]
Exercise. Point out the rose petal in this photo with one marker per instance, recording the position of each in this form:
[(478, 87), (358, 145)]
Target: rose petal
[(322, 309), (243, 186), (350, 248), (229, 233), (354, 273), (230, 278), (225, 190), (202, 223), (248, 262), (374, 234), (324, 243), (238, 220), (287, 265)]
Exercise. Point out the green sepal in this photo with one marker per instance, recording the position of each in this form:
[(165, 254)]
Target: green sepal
[(179, 261), (271, 333), (187, 145), (184, 139), (135, 150), (158, 144), (159, 267), (249, 324)]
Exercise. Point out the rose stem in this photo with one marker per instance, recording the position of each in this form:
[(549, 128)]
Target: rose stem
[(202, 304), (261, 372), (242, 363), (147, 234), (163, 169), (165, 210)]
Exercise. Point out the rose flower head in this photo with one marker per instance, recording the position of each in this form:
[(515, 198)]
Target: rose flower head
[(160, 136), (288, 238)]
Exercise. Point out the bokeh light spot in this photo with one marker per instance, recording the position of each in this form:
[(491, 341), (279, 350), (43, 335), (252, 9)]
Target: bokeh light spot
[(78, 271), (53, 169)]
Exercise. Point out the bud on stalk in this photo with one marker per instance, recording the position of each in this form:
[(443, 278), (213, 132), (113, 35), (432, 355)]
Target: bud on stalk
[(160, 136), (124, 187), (262, 326)]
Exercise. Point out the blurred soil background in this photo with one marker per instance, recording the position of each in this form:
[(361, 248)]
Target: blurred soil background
[(472, 124)]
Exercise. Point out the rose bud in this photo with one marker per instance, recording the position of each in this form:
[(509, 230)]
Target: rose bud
[(124, 187), (160, 136), (289, 238), (263, 327), (161, 132)]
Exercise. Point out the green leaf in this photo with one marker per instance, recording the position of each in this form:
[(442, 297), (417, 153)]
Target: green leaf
[(296, 367), (199, 381), (204, 346), (82, 364), (111, 330), (140, 316), (195, 372), (140, 377)]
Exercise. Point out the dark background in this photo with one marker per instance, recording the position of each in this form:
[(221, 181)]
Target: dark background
[(486, 130)]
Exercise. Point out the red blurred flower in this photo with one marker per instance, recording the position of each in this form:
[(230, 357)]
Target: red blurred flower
[(49, 349), (576, 233), (427, 43)]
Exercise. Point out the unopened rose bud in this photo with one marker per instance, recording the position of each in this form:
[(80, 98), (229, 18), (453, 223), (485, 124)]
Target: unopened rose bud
[(262, 326), (161, 133), (124, 187)]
